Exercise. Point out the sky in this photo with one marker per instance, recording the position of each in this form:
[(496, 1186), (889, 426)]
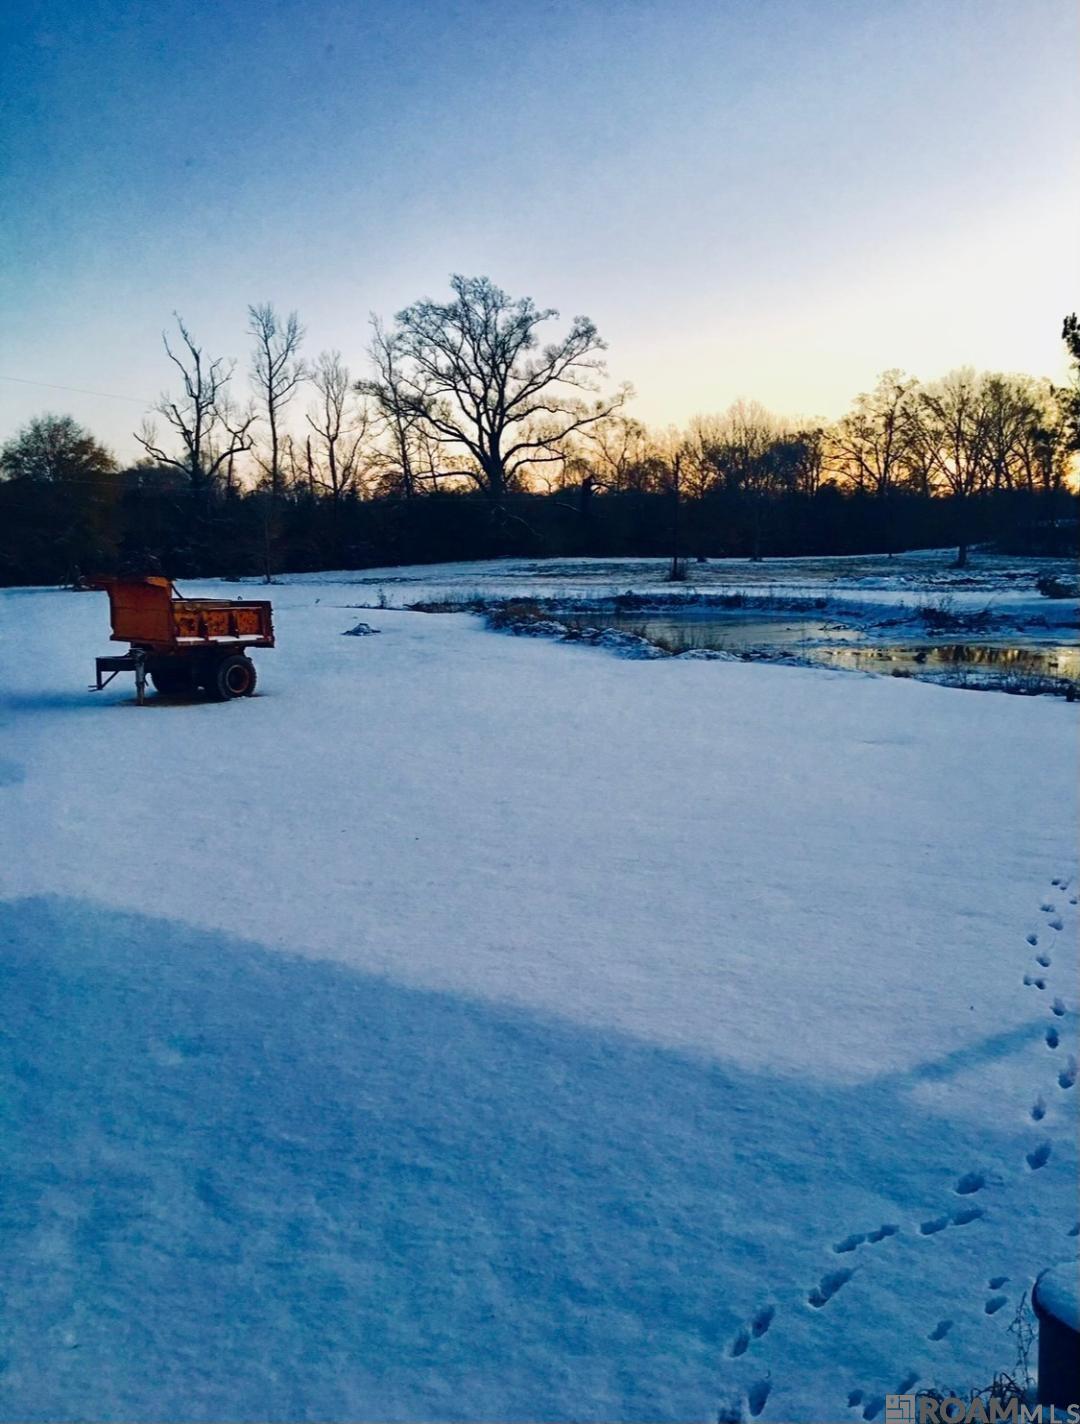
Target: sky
[(771, 199)]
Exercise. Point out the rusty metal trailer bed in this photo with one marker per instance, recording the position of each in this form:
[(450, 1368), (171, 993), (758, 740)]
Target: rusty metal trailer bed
[(183, 644)]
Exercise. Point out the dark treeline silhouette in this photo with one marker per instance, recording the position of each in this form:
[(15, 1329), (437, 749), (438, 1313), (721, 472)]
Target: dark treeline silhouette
[(470, 439)]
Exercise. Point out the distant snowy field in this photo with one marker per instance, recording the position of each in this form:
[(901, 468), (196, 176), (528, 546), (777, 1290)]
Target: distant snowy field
[(473, 1027), (1004, 585)]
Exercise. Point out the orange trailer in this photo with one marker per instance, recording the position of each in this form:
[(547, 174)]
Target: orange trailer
[(183, 644)]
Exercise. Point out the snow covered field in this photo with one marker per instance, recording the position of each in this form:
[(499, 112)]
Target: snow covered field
[(1005, 585), (475, 1027)]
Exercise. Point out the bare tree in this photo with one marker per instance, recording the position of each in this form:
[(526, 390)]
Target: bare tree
[(621, 454), (340, 428), (950, 429), (474, 371), (616, 455), (1013, 408), (871, 444), (744, 435), (676, 569), (795, 461), (1045, 453), (399, 422), (1029, 437), (734, 452), (812, 467), (210, 429), (297, 464), (704, 440), (276, 372), (1068, 397)]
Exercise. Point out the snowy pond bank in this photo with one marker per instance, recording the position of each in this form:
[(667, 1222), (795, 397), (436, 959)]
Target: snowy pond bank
[(987, 653), (471, 1027), (990, 630)]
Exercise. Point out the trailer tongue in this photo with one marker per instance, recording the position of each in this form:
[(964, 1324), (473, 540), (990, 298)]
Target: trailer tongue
[(183, 644)]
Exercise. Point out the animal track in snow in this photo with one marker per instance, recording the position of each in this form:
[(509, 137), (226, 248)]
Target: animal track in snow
[(1067, 1076), (850, 1242), (969, 1214), (996, 1282), (1036, 980), (1039, 1156), (887, 1228), (1055, 924), (994, 1304), (940, 1330), (1038, 1109), (1033, 939), (757, 1396), (1074, 1230), (958, 1218), (762, 1320), (1052, 1037), (757, 1327), (874, 1407), (1043, 960), (1047, 907), (854, 1399), (968, 1183), (1058, 1008), (827, 1287), (857, 1238)]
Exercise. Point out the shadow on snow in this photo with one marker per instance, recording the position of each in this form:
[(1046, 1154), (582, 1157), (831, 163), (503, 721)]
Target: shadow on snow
[(243, 1184)]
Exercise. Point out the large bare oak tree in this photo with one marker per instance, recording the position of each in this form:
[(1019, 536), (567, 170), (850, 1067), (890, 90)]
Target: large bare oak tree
[(474, 370)]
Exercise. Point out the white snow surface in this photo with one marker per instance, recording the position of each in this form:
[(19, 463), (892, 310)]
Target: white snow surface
[(1001, 584), (479, 1027)]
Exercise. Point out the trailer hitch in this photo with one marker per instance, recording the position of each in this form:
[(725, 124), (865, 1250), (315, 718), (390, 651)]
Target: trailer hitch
[(128, 662)]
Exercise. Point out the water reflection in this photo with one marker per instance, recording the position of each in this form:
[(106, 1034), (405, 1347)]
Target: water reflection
[(1052, 661), (815, 640)]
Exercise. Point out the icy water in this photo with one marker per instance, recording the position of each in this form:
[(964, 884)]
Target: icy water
[(831, 644), (1002, 659), (732, 632)]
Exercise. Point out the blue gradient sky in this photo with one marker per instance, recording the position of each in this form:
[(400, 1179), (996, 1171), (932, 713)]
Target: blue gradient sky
[(775, 199)]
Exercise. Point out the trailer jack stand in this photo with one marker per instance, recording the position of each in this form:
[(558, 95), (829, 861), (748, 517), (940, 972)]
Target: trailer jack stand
[(129, 662)]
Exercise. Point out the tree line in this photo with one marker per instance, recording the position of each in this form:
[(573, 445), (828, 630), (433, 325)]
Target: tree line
[(469, 435)]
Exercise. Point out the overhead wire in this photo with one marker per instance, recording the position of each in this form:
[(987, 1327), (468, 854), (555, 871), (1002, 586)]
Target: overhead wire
[(75, 390)]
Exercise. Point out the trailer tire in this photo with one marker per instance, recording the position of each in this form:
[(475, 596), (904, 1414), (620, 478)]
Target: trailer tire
[(232, 677), (173, 681)]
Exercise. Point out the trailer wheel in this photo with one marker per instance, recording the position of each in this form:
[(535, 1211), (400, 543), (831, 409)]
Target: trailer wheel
[(173, 681), (233, 677)]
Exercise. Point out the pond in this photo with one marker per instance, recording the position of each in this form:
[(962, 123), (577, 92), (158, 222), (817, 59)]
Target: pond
[(681, 632), (811, 639), (996, 660)]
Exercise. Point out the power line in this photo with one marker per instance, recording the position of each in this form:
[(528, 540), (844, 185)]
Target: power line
[(76, 390)]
